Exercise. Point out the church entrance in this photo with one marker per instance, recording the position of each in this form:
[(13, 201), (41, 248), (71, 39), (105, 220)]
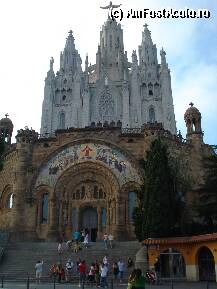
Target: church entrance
[(89, 221)]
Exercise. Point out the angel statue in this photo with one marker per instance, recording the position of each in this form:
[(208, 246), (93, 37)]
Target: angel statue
[(110, 7)]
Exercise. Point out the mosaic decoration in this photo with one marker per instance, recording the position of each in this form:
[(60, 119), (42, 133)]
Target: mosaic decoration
[(113, 158)]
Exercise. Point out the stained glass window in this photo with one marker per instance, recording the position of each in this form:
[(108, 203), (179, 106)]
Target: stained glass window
[(131, 205)]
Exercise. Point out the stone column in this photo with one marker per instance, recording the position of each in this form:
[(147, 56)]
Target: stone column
[(99, 212), (53, 233), (192, 272), (119, 227)]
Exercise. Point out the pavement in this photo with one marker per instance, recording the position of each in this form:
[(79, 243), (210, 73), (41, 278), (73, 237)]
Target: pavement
[(184, 285)]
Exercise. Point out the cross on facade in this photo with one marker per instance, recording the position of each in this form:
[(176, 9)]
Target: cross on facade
[(145, 26), (6, 115), (191, 104)]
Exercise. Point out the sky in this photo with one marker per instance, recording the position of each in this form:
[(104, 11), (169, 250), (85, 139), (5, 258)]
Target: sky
[(31, 31)]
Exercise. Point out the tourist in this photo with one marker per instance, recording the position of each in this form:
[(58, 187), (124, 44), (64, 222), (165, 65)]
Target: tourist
[(157, 270), (121, 269), (38, 271), (82, 273), (76, 236), (69, 270), (97, 274), (105, 260), (129, 262), (61, 274), (86, 240), (76, 247), (131, 279), (139, 280), (69, 245), (82, 235), (53, 271), (115, 270), (105, 240), (91, 274), (111, 240), (103, 276), (60, 248)]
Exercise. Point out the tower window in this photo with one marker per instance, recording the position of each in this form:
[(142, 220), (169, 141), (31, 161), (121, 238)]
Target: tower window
[(64, 97), (62, 120), (151, 115), (110, 41), (150, 92), (44, 208)]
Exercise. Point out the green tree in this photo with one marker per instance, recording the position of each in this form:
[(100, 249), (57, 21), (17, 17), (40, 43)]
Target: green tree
[(159, 210), (206, 202)]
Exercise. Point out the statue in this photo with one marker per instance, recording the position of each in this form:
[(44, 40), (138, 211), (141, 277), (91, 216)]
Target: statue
[(110, 7)]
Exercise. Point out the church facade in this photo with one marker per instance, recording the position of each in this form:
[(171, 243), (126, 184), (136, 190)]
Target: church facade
[(83, 170)]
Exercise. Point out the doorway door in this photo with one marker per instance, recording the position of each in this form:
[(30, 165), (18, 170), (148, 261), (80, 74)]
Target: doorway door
[(206, 265), (89, 221)]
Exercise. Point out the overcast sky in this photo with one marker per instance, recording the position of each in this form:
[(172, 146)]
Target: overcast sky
[(31, 31)]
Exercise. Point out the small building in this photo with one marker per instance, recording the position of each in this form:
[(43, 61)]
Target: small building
[(193, 258)]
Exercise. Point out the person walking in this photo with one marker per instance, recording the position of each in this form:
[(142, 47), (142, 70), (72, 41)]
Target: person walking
[(121, 270), (38, 271), (115, 271), (86, 241)]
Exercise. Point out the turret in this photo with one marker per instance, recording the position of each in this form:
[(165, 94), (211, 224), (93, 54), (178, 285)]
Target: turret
[(6, 129)]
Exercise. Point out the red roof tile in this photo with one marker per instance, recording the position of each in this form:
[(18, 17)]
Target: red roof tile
[(176, 240)]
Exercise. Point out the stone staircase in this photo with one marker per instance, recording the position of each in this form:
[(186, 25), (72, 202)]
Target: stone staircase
[(20, 258)]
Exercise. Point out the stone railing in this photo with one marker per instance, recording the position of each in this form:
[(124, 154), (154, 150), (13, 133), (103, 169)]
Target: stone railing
[(135, 130)]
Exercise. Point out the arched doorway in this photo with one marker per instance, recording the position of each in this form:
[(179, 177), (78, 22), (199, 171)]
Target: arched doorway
[(89, 221), (206, 265), (172, 264)]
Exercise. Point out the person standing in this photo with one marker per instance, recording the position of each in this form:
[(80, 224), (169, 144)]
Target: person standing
[(69, 270), (121, 269), (82, 273), (115, 271), (86, 240), (105, 240), (111, 240), (103, 276), (38, 271)]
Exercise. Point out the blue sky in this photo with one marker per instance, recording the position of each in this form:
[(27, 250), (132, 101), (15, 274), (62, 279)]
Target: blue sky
[(32, 31)]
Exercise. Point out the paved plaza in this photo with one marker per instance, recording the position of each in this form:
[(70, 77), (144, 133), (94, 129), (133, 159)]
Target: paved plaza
[(186, 285)]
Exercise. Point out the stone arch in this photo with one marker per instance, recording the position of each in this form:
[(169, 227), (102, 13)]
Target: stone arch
[(172, 263), (206, 264), (7, 198)]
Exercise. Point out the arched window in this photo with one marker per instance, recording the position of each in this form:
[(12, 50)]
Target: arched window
[(151, 115), (103, 217), (131, 205), (44, 208), (10, 201), (62, 120)]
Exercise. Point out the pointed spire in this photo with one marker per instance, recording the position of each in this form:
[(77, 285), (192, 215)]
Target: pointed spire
[(70, 41), (86, 63), (163, 57), (51, 63), (146, 35), (134, 60)]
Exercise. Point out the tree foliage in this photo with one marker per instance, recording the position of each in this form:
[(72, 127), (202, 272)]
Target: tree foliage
[(206, 203), (159, 210)]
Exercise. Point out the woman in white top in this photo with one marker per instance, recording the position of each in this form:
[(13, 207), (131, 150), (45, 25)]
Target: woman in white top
[(86, 241)]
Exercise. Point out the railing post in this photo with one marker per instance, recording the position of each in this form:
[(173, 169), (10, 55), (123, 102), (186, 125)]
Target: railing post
[(2, 279), (112, 283), (172, 284), (27, 284), (54, 282)]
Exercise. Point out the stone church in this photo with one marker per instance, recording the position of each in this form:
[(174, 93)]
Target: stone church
[(82, 170)]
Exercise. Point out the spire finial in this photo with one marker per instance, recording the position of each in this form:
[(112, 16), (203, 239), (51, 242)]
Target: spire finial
[(145, 26), (191, 104), (6, 115), (51, 63), (70, 33)]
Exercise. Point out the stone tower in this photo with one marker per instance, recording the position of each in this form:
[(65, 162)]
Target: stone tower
[(113, 90)]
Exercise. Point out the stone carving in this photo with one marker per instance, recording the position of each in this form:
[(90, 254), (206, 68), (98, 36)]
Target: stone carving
[(26, 135), (106, 105)]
